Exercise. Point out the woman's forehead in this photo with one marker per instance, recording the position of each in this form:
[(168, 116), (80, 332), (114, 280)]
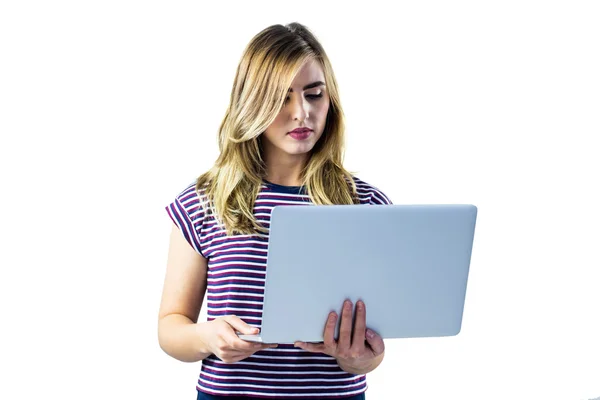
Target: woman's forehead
[(311, 72)]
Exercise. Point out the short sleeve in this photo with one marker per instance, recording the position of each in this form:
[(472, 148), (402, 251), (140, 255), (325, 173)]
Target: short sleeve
[(378, 197), (187, 214)]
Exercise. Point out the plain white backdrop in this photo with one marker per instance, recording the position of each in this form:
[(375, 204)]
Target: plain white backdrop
[(109, 109)]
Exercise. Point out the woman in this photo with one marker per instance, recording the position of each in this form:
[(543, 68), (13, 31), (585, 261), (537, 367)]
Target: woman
[(281, 143)]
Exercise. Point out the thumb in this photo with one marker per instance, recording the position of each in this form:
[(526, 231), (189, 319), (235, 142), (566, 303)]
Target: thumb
[(375, 341), (240, 326)]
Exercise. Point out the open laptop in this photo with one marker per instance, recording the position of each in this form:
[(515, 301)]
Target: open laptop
[(408, 263)]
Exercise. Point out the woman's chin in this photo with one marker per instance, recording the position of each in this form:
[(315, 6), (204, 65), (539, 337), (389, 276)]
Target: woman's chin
[(300, 148)]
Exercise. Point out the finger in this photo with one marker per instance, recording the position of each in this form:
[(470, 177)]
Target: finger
[(345, 327), (360, 326), (312, 347), (231, 338), (258, 347), (240, 326), (375, 341), (228, 355), (247, 346), (329, 334), (233, 356), (264, 346)]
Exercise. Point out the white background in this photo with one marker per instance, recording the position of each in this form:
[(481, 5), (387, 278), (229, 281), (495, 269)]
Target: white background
[(109, 109)]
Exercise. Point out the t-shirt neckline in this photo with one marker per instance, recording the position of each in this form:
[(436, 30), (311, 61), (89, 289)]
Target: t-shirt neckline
[(286, 189)]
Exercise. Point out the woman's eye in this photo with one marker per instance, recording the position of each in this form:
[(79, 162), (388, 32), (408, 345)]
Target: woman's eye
[(310, 96)]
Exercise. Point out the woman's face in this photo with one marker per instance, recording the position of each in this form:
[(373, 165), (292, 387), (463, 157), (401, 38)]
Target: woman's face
[(306, 106)]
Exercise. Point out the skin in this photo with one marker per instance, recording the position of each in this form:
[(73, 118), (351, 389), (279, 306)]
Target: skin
[(284, 155), (358, 350)]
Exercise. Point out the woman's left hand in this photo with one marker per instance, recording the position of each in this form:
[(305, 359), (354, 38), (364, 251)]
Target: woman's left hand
[(357, 351)]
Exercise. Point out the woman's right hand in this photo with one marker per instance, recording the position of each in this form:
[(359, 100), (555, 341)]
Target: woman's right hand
[(222, 340)]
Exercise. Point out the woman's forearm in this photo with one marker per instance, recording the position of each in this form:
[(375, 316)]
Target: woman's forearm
[(181, 338)]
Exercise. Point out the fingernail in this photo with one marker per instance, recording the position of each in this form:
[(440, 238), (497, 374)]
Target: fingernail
[(359, 305), (370, 334)]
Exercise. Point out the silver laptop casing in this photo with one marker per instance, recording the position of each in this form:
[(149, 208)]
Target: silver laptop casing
[(408, 263)]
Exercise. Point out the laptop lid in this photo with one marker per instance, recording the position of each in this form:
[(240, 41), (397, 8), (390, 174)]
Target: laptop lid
[(408, 263)]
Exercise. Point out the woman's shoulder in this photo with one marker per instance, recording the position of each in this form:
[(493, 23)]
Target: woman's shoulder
[(369, 193), (188, 212), (191, 201)]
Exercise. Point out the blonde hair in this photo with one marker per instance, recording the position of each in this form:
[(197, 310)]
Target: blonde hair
[(267, 68)]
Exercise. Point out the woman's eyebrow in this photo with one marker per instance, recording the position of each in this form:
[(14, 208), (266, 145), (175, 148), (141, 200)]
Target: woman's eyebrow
[(310, 86)]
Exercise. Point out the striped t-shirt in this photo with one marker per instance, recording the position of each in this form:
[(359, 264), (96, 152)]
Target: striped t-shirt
[(235, 285)]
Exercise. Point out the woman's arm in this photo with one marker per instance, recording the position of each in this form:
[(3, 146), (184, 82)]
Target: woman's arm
[(184, 287), (179, 334)]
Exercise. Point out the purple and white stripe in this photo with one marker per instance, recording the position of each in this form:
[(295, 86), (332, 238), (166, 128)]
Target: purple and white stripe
[(235, 285)]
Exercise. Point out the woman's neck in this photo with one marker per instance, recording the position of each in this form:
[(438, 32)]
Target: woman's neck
[(285, 172)]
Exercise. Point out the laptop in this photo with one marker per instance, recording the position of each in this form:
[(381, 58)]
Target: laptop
[(408, 263)]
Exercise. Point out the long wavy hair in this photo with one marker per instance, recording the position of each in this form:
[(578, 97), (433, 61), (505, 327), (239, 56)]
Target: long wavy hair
[(267, 68)]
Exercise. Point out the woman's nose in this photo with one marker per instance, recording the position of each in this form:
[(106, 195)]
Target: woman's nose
[(299, 109)]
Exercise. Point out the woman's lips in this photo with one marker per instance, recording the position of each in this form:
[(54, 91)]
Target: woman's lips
[(300, 134)]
